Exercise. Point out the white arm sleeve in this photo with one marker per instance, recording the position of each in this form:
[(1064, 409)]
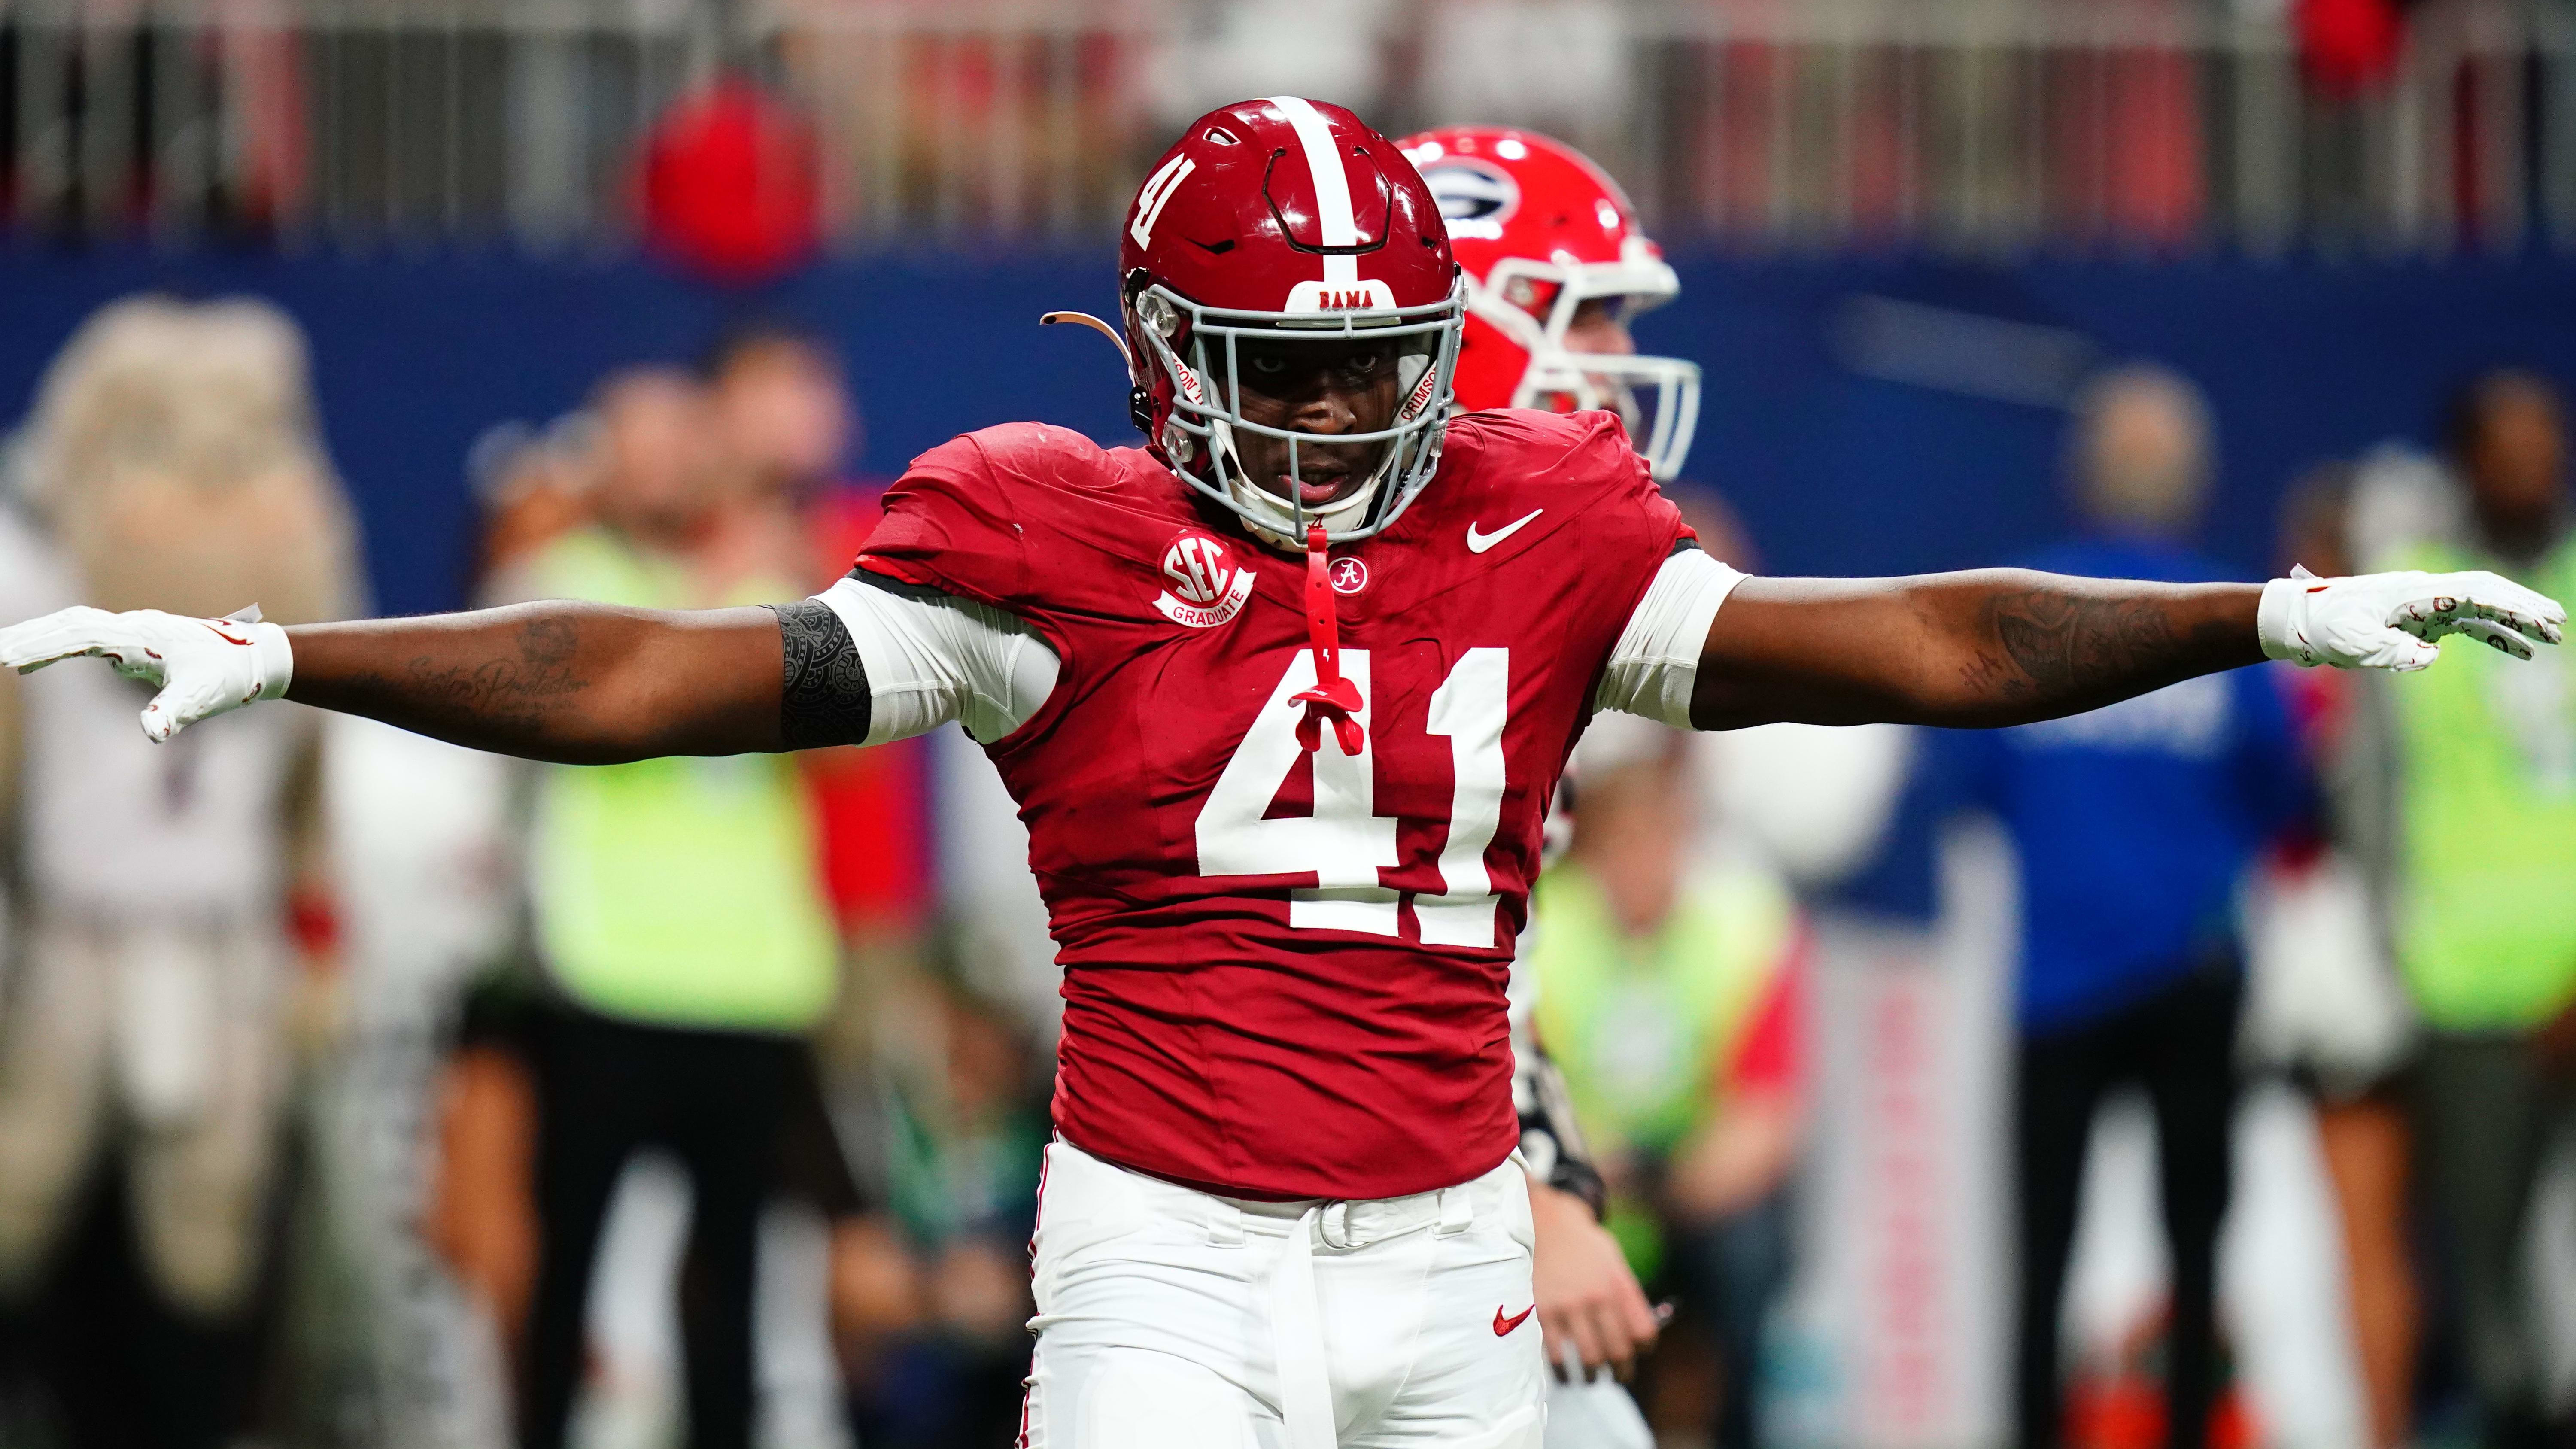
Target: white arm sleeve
[(932, 659), (1657, 659)]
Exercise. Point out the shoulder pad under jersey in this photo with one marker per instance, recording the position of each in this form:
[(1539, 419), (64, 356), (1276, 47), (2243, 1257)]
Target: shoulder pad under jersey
[(1576, 466), (1587, 450), (959, 518)]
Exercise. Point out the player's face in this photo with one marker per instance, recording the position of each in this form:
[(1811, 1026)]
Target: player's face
[(1599, 327), (1315, 387), (2517, 462)]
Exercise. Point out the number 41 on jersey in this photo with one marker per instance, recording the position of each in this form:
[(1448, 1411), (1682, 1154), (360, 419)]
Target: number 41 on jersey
[(1345, 842)]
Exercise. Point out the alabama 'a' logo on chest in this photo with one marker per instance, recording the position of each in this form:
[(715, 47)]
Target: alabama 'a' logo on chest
[(1204, 582)]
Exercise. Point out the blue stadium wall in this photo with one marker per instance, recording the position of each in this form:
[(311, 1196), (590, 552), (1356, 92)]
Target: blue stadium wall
[(1835, 467)]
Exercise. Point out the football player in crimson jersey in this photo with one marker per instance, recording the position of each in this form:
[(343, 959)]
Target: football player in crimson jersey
[(1282, 696)]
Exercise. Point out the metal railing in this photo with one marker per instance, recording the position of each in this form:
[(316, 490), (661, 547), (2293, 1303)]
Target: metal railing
[(1983, 126), (1955, 124)]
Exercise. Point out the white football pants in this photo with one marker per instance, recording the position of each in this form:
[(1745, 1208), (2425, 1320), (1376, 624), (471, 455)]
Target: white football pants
[(1595, 1415), (1172, 1319)]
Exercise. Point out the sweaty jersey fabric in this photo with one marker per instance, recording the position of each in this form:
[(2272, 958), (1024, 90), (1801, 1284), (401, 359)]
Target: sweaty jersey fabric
[(1284, 974)]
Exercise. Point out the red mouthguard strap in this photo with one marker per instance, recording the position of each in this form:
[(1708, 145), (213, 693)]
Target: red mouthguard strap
[(1333, 697)]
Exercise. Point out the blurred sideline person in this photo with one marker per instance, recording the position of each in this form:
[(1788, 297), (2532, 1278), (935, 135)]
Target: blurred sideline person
[(787, 428), (479, 1213), (2135, 825), (2488, 950), (1670, 989), (966, 1133), (173, 461), (2323, 1000), (1283, 1191), (678, 914), (784, 427), (421, 855), (780, 426)]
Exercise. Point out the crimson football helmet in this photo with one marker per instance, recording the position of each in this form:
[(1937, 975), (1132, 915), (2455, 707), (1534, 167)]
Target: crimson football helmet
[(1540, 231), (1286, 219)]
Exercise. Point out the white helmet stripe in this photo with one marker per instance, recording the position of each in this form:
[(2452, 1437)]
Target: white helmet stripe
[(1333, 216)]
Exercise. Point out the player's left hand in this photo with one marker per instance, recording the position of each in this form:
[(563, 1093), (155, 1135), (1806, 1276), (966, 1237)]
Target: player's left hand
[(2392, 620), (1589, 1305)]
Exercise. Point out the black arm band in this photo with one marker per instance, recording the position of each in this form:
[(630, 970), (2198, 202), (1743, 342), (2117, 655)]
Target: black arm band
[(823, 691), (1550, 1141)]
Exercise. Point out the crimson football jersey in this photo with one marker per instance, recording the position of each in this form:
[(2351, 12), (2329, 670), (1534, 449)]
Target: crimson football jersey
[(1284, 972)]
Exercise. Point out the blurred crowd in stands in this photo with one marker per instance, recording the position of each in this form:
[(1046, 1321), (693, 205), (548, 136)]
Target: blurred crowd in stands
[(738, 136), (436, 1100)]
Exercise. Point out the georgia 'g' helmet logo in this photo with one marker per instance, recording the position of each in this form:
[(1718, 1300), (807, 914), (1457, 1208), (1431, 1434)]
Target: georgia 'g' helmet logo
[(1203, 584), (1475, 198)]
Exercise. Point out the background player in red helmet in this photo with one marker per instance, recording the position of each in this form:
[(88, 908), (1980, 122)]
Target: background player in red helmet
[(1285, 810), (1555, 266)]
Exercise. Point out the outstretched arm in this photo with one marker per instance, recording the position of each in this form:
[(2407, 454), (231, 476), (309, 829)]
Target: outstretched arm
[(568, 682), (583, 684), (2007, 646), (1993, 647)]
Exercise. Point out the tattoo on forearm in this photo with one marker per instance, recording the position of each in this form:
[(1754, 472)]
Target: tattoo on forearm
[(2066, 646), (524, 691), (823, 694)]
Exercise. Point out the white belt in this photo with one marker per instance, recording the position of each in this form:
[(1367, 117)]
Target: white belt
[(1297, 1327), (1297, 1320), (1339, 1225)]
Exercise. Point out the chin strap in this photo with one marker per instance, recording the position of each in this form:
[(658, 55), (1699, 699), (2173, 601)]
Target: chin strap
[(1333, 697)]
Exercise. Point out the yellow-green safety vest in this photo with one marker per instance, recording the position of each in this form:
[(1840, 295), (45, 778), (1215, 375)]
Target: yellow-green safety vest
[(2485, 915), (677, 892), (1644, 1027)]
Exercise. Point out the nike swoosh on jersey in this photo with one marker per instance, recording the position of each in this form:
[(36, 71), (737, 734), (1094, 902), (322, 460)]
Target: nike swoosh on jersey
[(1504, 1325), (1479, 542)]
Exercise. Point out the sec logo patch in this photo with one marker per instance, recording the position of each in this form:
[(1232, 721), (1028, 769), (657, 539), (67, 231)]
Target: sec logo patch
[(1349, 575), (1203, 584)]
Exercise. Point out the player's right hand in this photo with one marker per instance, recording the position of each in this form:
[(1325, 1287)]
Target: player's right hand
[(202, 667), (2393, 620)]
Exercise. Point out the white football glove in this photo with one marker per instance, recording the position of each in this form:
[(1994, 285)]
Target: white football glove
[(201, 666), (2389, 621)]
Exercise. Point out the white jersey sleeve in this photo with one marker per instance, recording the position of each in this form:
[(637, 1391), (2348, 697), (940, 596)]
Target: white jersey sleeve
[(1657, 658), (931, 658)]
